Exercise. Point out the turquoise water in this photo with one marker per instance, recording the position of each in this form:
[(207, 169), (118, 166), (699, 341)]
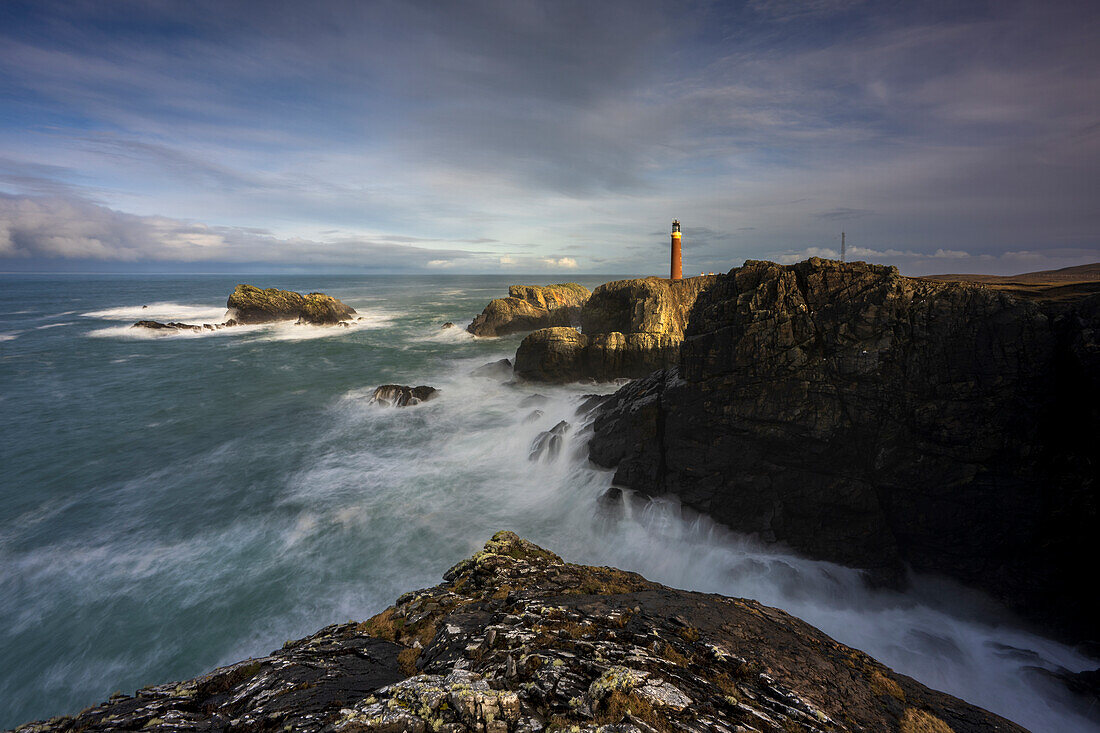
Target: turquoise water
[(172, 503)]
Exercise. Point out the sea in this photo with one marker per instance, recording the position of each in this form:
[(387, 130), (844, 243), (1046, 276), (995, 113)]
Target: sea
[(174, 502)]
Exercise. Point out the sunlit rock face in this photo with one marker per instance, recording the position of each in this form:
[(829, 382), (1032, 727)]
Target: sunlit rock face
[(253, 305), (876, 420), (516, 641), (530, 307), (628, 329)]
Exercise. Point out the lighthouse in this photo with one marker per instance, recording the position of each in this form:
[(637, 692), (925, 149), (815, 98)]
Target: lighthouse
[(677, 266)]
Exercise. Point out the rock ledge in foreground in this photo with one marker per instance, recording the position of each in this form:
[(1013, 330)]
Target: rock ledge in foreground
[(517, 641)]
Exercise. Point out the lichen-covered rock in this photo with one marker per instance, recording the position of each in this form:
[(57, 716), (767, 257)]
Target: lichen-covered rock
[(630, 328), (323, 310), (518, 641), (879, 421), (254, 305), (550, 354), (400, 395), (530, 307), (566, 355), (644, 305)]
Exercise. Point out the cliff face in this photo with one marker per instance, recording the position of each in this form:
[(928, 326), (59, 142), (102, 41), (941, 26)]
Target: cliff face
[(517, 640), (629, 328), (874, 420), (530, 307)]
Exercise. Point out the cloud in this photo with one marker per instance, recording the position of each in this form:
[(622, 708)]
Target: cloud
[(536, 264), (567, 263), (842, 213), (54, 227), (787, 10)]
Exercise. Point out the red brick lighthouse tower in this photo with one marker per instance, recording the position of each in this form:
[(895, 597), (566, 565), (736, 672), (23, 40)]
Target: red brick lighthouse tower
[(677, 265)]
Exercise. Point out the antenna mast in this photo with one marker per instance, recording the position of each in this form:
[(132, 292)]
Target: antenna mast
[(842, 246)]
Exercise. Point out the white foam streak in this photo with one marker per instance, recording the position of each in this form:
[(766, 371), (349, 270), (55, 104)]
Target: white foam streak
[(186, 313)]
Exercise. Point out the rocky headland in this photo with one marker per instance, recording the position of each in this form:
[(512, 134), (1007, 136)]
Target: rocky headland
[(529, 307), (881, 422), (251, 305), (516, 640), (629, 328)]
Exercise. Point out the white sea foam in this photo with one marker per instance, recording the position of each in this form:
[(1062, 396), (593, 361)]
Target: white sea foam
[(455, 334), (181, 312), (293, 331), (198, 315), (9, 335), (148, 334)]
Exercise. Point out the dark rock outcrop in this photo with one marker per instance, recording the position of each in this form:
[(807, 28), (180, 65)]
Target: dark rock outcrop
[(254, 305), (517, 641), (530, 307), (171, 326), (500, 370), (175, 326), (630, 328), (880, 421), (399, 395)]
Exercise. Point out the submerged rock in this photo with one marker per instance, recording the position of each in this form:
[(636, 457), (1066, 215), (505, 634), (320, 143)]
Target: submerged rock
[(547, 444), (254, 305), (173, 326), (399, 395), (516, 640), (500, 370), (530, 307), (879, 421)]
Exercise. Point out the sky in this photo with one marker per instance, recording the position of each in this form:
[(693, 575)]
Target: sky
[(547, 137)]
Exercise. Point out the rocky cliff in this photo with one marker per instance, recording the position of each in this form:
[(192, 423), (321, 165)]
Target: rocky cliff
[(254, 305), (530, 307), (517, 640), (628, 329), (880, 421)]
